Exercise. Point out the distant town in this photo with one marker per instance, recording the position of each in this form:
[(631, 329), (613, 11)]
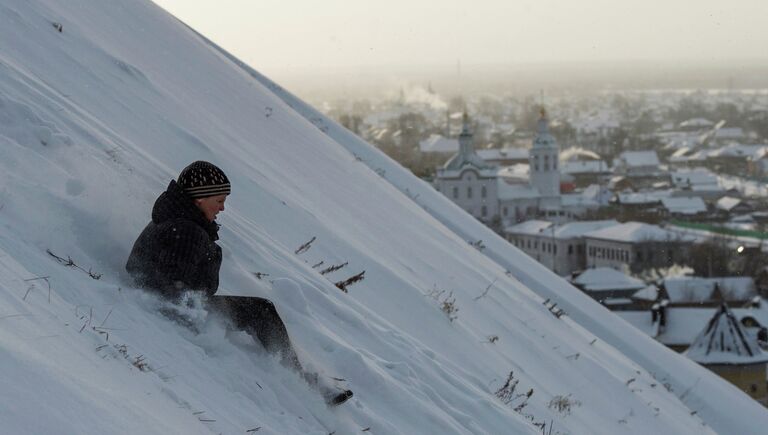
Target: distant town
[(653, 203)]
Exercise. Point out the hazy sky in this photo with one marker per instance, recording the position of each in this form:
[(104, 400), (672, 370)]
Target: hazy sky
[(298, 36)]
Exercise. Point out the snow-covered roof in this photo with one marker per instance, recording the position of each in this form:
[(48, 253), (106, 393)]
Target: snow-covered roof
[(686, 289), (690, 177), (577, 200), (729, 133), (680, 152), (723, 341), (579, 228), (649, 293), (639, 158), (634, 232), (736, 150), (584, 167), (727, 203), (503, 154), (439, 144), (508, 191), (697, 122), (530, 227), (639, 198), (519, 171), (689, 205), (565, 231), (606, 279), (578, 154)]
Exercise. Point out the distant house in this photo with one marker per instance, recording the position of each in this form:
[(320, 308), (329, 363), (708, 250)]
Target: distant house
[(678, 327), (725, 348), (700, 292), (733, 206), (687, 178), (638, 164), (609, 287), (728, 134), (734, 158), (636, 246), (699, 182), (586, 172), (685, 207)]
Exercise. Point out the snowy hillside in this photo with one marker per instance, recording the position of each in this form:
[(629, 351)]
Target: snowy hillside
[(95, 119)]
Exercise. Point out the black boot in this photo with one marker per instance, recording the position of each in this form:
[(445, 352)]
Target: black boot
[(337, 398)]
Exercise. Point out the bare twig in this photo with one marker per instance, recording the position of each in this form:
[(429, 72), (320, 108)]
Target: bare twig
[(342, 285), (69, 263), (305, 247), (27, 293), (487, 289), (255, 429), (44, 278), (333, 268), (318, 264), (107, 317)]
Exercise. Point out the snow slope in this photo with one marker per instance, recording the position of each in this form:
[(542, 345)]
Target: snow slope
[(94, 122)]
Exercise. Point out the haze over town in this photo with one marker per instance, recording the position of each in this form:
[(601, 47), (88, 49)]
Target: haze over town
[(358, 49)]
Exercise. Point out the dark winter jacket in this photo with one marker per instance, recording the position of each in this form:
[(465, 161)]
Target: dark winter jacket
[(177, 250)]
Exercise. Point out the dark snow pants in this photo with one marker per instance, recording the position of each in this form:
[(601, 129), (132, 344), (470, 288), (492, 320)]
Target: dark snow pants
[(258, 317)]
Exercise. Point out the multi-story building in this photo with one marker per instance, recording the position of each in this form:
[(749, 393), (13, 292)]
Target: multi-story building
[(561, 248), (636, 246)]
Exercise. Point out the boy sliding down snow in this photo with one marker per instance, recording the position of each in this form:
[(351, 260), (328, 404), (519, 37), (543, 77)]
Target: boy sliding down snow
[(177, 251)]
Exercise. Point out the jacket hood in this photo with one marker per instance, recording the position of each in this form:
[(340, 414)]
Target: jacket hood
[(175, 204)]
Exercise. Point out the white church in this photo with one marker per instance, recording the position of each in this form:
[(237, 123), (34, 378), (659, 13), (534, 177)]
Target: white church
[(505, 195)]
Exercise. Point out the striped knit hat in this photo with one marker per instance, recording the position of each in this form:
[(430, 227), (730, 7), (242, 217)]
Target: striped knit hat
[(202, 179)]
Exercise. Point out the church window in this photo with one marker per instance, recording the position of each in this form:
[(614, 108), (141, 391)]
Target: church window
[(483, 211), (506, 212), (455, 192), (469, 192), (546, 163), (483, 192), (570, 249)]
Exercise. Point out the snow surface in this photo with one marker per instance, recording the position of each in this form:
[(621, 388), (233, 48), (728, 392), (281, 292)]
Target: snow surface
[(97, 119)]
